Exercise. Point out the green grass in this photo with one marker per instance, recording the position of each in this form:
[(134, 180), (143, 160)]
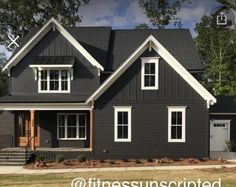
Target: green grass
[(61, 180)]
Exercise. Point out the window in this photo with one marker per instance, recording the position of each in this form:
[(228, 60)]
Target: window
[(71, 126), (149, 73), (176, 124), (122, 124), (53, 81)]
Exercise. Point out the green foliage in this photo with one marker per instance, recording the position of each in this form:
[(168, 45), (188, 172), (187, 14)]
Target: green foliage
[(39, 158), (81, 158), (138, 162), (217, 47), (162, 12), (18, 17), (228, 3), (60, 158), (142, 26), (112, 162), (3, 76)]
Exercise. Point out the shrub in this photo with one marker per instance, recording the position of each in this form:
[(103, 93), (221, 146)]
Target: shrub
[(102, 161), (81, 158), (112, 162), (149, 160), (39, 158), (60, 158), (138, 161), (125, 160)]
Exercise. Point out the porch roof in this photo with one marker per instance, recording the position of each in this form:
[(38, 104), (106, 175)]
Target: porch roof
[(225, 104), (45, 98)]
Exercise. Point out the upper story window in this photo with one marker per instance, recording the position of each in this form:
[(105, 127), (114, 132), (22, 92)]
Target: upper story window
[(53, 81), (149, 73)]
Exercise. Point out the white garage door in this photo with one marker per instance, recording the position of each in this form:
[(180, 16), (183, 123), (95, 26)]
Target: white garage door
[(219, 134)]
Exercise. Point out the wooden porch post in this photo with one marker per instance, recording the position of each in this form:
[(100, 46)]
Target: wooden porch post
[(32, 124), (91, 130)]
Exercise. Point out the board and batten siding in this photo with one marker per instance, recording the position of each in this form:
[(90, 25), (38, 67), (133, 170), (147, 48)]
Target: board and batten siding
[(86, 78), (150, 117)]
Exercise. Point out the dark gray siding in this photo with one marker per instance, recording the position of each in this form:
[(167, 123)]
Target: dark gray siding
[(48, 131), (7, 125), (232, 124), (86, 78), (150, 116)]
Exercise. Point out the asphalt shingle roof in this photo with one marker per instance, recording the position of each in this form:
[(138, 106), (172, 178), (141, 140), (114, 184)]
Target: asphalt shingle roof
[(225, 104)]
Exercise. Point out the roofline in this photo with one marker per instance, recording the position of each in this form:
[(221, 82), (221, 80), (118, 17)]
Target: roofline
[(162, 51), (223, 113), (52, 23), (45, 106)]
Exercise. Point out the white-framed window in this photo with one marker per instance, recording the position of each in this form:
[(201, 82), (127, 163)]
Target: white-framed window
[(54, 81), (71, 126), (122, 123), (149, 73), (176, 123)]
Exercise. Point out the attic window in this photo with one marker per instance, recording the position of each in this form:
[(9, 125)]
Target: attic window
[(149, 73)]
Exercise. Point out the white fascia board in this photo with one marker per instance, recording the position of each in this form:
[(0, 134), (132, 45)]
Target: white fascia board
[(121, 69), (52, 66), (38, 36), (44, 106), (168, 58), (182, 72)]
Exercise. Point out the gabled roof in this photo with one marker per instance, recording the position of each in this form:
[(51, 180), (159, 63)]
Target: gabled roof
[(178, 42), (152, 42), (52, 23)]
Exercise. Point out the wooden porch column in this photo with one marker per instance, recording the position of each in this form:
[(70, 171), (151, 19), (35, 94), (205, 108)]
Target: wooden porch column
[(91, 130), (32, 133)]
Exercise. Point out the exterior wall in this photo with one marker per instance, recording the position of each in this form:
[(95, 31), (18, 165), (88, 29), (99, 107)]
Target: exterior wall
[(22, 80), (48, 131), (7, 125), (232, 123), (150, 117)]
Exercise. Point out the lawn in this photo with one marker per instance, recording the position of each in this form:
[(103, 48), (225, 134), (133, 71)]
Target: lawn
[(60, 180)]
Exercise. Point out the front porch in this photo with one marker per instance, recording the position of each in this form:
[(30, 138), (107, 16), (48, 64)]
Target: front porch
[(61, 130)]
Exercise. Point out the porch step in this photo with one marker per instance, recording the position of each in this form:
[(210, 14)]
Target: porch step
[(14, 157)]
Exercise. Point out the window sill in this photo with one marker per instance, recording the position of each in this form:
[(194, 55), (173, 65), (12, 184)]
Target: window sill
[(122, 140), (71, 138), (150, 88), (53, 91), (176, 141)]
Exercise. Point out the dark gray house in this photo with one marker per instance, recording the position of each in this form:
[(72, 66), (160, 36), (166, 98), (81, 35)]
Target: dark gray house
[(106, 93)]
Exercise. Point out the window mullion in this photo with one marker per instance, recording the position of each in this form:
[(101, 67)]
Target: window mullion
[(59, 71), (48, 80)]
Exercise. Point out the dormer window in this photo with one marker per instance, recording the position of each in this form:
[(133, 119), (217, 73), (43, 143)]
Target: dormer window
[(149, 73), (54, 81), (53, 73)]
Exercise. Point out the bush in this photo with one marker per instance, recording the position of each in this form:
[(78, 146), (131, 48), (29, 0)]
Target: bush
[(102, 161), (39, 158), (81, 158), (138, 161), (112, 162), (60, 158), (149, 160), (125, 160)]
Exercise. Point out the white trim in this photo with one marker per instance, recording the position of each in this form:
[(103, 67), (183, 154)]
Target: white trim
[(44, 106), (215, 113), (52, 66), (66, 126), (122, 109), (59, 80), (177, 109), (167, 57), (40, 34), (154, 60)]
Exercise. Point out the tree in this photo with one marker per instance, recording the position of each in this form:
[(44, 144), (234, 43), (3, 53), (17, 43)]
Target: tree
[(217, 46), (3, 76), (228, 3), (19, 16), (162, 12), (142, 26)]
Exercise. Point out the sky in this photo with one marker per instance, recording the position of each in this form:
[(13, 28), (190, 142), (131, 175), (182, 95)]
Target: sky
[(120, 14)]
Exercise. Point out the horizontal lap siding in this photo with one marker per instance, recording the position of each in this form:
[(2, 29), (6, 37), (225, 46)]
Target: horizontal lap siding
[(86, 78), (150, 116)]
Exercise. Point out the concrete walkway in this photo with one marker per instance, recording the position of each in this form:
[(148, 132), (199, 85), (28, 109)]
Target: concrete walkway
[(21, 170)]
